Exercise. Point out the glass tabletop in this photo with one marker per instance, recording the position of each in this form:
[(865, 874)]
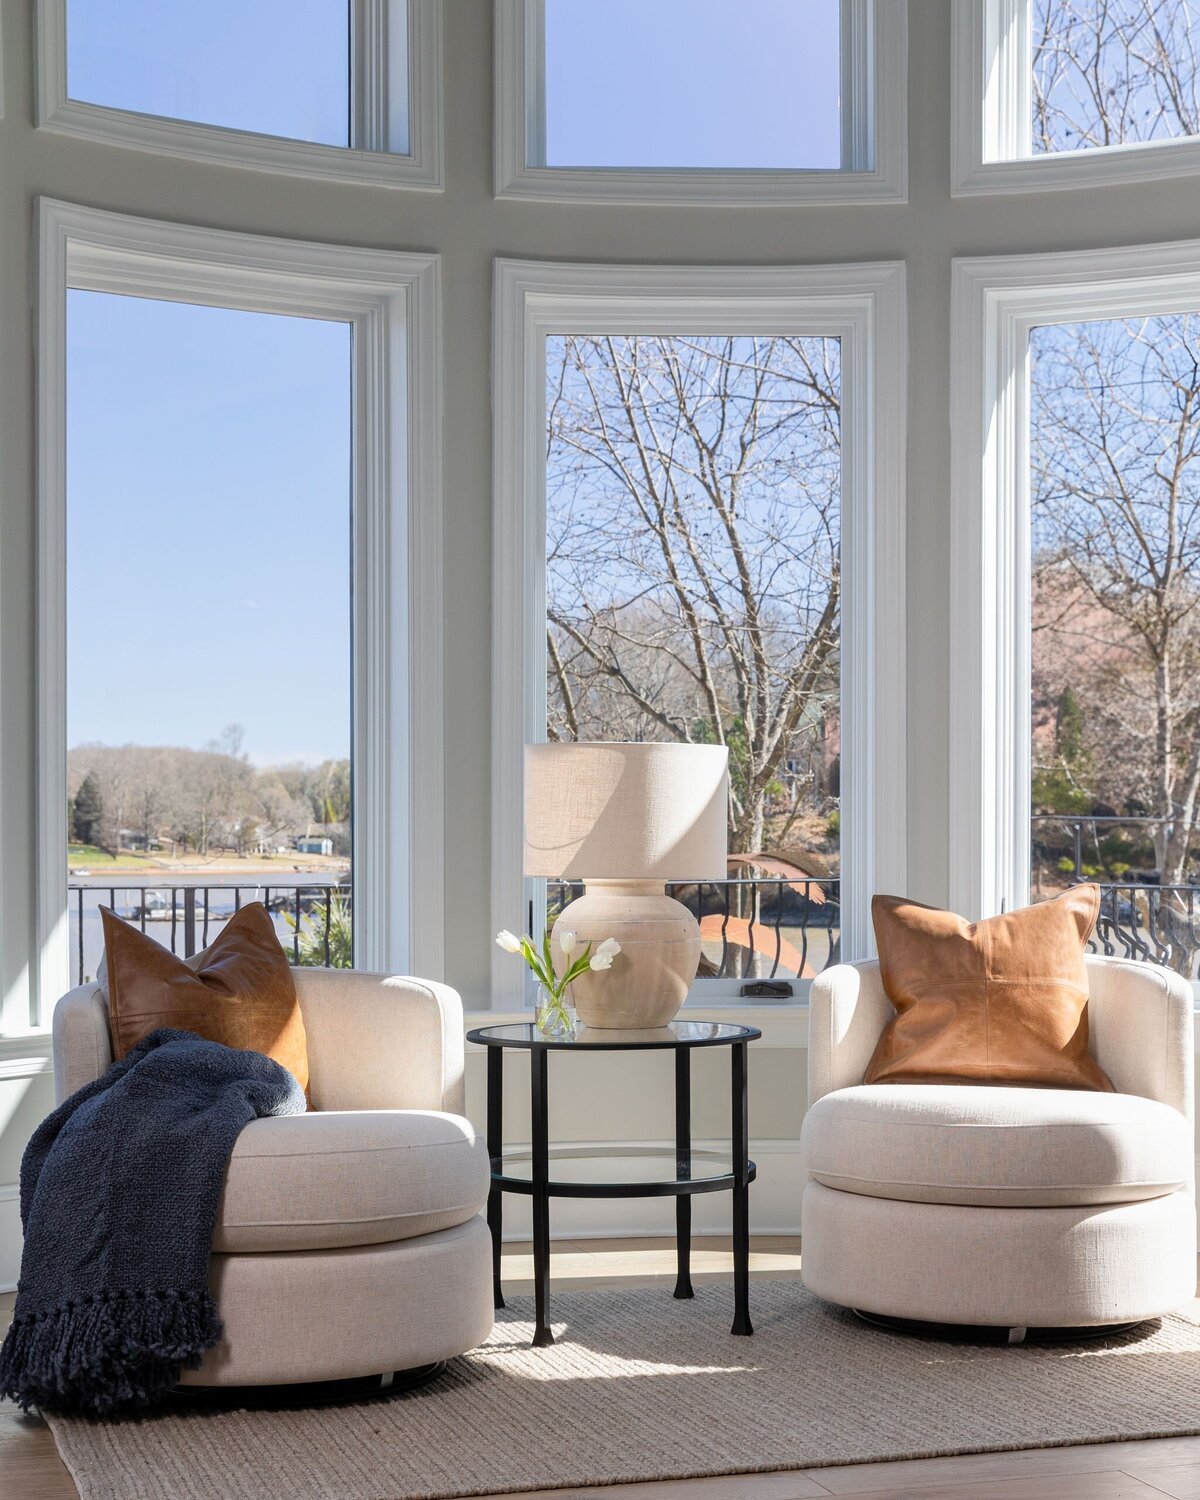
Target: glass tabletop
[(592, 1038)]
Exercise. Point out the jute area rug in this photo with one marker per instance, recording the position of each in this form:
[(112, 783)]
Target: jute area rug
[(641, 1387)]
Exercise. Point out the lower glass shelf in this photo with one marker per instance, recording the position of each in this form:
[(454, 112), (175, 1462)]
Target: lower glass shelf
[(619, 1171)]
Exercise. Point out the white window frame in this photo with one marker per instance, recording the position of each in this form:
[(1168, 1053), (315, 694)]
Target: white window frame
[(392, 302), (991, 149), (864, 306), (997, 301), (370, 160), (875, 118)]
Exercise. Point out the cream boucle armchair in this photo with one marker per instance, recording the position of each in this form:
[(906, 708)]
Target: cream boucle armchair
[(349, 1240), (1011, 1207)]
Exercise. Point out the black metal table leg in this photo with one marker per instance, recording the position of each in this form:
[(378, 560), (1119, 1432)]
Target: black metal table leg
[(495, 1146), (741, 1194), (541, 1197), (683, 1167)]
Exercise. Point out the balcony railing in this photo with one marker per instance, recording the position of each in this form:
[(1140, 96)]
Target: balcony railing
[(1140, 918), (186, 918), (770, 929), (1154, 923)]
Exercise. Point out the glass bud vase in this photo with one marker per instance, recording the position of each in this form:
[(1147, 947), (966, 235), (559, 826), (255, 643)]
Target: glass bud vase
[(554, 1018)]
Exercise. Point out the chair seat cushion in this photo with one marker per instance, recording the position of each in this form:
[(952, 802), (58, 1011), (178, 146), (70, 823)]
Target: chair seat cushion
[(996, 1147), (357, 1177)]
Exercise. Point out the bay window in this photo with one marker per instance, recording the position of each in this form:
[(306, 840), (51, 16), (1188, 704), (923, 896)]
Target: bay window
[(1074, 93), (208, 530), (694, 101), (698, 517), (1077, 565), (239, 542)]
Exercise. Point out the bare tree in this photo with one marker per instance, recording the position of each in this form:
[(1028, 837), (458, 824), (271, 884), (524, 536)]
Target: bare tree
[(210, 799), (1111, 72), (693, 524), (1116, 533)]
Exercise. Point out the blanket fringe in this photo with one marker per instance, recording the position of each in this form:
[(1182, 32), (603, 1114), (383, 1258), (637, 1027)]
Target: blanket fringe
[(107, 1354)]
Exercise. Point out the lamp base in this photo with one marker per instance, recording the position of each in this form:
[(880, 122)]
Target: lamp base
[(659, 957)]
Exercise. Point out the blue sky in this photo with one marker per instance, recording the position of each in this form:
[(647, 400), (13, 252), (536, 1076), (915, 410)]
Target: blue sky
[(276, 66), (208, 482), (209, 450), (692, 83)]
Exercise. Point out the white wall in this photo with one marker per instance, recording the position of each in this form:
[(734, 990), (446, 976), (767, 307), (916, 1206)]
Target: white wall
[(468, 228)]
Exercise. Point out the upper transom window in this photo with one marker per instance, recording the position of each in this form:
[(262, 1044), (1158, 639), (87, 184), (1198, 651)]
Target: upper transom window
[(277, 67), (1113, 73), (633, 83), (698, 101), (344, 89), (1072, 93)]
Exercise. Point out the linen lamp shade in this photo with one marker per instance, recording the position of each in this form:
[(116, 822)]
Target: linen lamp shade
[(601, 811)]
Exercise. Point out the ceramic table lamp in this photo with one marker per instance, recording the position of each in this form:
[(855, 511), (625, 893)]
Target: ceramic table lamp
[(625, 819)]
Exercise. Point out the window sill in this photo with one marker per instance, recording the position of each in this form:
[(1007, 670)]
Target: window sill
[(25, 1056), (220, 146), (699, 187)]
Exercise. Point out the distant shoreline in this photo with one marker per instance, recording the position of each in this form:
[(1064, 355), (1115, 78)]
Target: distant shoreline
[(151, 871)]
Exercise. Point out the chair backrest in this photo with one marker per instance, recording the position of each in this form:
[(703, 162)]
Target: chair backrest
[(374, 1041), (1140, 1028)]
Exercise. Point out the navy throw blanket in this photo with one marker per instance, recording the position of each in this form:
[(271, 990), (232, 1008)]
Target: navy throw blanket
[(119, 1194)]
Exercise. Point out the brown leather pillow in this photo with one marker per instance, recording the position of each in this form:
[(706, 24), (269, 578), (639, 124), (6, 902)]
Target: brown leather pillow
[(999, 1001), (241, 992)]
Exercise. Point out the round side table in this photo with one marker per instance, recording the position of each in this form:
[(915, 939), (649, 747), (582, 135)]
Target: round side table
[(643, 1172)]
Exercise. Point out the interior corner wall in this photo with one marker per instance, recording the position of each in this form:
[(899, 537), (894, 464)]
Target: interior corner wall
[(469, 228)]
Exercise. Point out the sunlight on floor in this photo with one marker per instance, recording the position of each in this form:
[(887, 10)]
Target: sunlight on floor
[(644, 1261)]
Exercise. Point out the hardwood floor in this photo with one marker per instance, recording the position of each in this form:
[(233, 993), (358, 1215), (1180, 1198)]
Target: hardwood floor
[(30, 1468)]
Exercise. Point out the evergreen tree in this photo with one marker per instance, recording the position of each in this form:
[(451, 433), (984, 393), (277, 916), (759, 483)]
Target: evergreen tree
[(89, 811)]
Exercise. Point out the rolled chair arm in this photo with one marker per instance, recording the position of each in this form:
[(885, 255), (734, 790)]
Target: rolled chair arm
[(82, 1046), (847, 1009), (1140, 1019), (382, 1042), (1141, 1029), (374, 1041)]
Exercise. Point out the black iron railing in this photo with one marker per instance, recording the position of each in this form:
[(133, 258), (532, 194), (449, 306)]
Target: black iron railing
[(185, 918), (751, 929), (1154, 923), (1140, 918)]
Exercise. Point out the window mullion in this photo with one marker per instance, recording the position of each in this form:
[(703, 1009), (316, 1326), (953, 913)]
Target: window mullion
[(1007, 65), (369, 74), (534, 63), (858, 84)]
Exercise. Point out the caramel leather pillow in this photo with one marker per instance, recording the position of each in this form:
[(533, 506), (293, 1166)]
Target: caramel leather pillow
[(240, 991), (999, 1001)]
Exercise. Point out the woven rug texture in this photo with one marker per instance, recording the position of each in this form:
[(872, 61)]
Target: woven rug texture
[(641, 1387)]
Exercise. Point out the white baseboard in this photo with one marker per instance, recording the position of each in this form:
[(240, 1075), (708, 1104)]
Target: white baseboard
[(10, 1236)]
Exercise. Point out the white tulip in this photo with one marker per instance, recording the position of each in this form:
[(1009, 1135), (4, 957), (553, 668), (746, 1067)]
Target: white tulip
[(566, 941), (508, 942), (609, 947), (600, 960)]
